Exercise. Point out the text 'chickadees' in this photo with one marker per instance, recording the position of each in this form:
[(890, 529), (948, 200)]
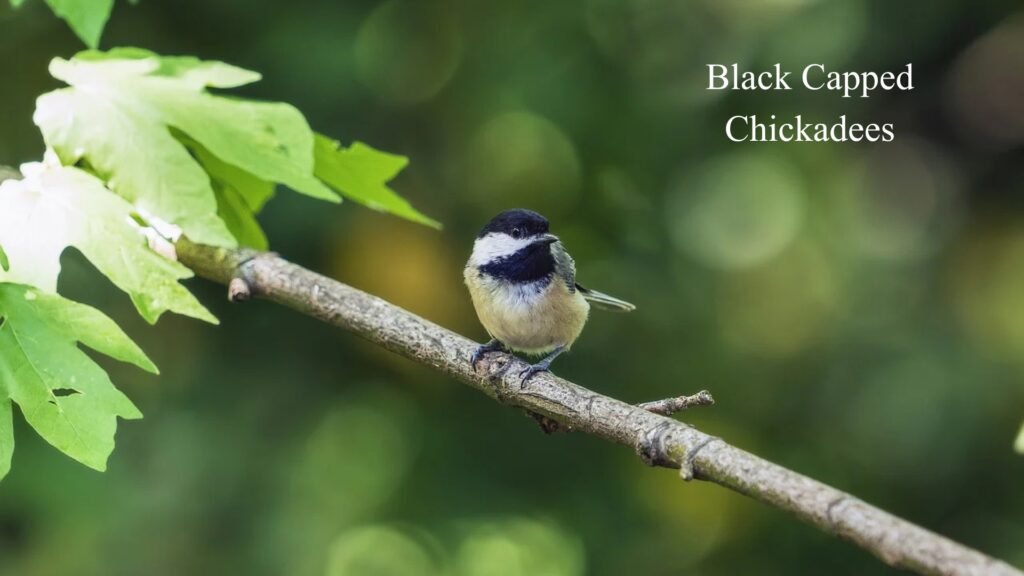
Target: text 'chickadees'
[(813, 77)]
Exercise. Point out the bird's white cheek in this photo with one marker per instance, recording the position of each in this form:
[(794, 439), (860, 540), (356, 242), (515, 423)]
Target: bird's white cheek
[(495, 245)]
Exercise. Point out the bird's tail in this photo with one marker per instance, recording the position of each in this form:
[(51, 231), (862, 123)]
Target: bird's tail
[(604, 301)]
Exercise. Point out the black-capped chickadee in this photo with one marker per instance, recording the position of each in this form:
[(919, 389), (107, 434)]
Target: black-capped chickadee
[(524, 289)]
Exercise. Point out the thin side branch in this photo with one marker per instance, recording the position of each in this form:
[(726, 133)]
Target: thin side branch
[(670, 406), (659, 440)]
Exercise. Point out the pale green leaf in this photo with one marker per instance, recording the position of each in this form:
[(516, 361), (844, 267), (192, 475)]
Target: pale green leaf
[(56, 207), (1019, 444), (61, 391), (133, 151), (4, 263), (85, 17), (192, 71), (17, 3), (121, 115), (361, 173), (199, 73)]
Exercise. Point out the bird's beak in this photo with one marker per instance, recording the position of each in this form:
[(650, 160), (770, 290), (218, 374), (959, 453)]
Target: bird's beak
[(548, 239)]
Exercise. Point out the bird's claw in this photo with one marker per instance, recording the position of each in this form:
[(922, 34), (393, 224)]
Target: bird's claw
[(477, 356), (481, 350), (528, 372)]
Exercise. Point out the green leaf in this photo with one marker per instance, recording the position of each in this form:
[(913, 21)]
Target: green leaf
[(6, 436), (85, 17), (270, 140), (361, 173), (119, 114), (61, 391), (56, 207), (240, 219), (240, 196), (5, 265)]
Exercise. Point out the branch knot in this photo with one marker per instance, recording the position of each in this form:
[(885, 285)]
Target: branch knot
[(650, 446)]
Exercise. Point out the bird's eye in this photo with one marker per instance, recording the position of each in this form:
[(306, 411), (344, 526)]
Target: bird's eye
[(517, 233)]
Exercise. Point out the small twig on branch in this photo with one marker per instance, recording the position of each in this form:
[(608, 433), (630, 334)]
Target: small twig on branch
[(658, 440), (238, 290), (547, 424), (666, 407), (670, 406)]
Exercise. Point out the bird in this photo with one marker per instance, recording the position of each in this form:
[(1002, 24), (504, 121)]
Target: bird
[(523, 286)]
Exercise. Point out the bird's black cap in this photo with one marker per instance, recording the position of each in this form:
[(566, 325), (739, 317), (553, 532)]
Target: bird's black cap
[(527, 222)]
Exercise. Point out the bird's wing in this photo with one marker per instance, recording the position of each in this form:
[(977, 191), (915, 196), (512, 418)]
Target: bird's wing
[(565, 267), (602, 300)]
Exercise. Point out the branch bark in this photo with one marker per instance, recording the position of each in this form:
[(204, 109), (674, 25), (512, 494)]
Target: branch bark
[(660, 441)]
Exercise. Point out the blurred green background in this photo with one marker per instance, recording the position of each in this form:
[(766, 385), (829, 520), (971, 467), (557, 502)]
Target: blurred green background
[(855, 309)]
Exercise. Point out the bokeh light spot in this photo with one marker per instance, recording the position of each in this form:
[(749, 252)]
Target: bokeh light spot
[(379, 551), (352, 463), (739, 211), (781, 308), (824, 32), (988, 281), (987, 87), (518, 547), (408, 265), (901, 200), (521, 159), (750, 15), (687, 525), (407, 51)]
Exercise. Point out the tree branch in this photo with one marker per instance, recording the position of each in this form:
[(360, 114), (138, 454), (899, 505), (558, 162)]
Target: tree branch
[(660, 441)]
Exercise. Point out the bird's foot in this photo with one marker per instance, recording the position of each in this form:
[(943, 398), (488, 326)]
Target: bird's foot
[(542, 366), (478, 354), (528, 372)]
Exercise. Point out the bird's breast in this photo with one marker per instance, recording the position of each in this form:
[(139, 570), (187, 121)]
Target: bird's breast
[(532, 317)]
